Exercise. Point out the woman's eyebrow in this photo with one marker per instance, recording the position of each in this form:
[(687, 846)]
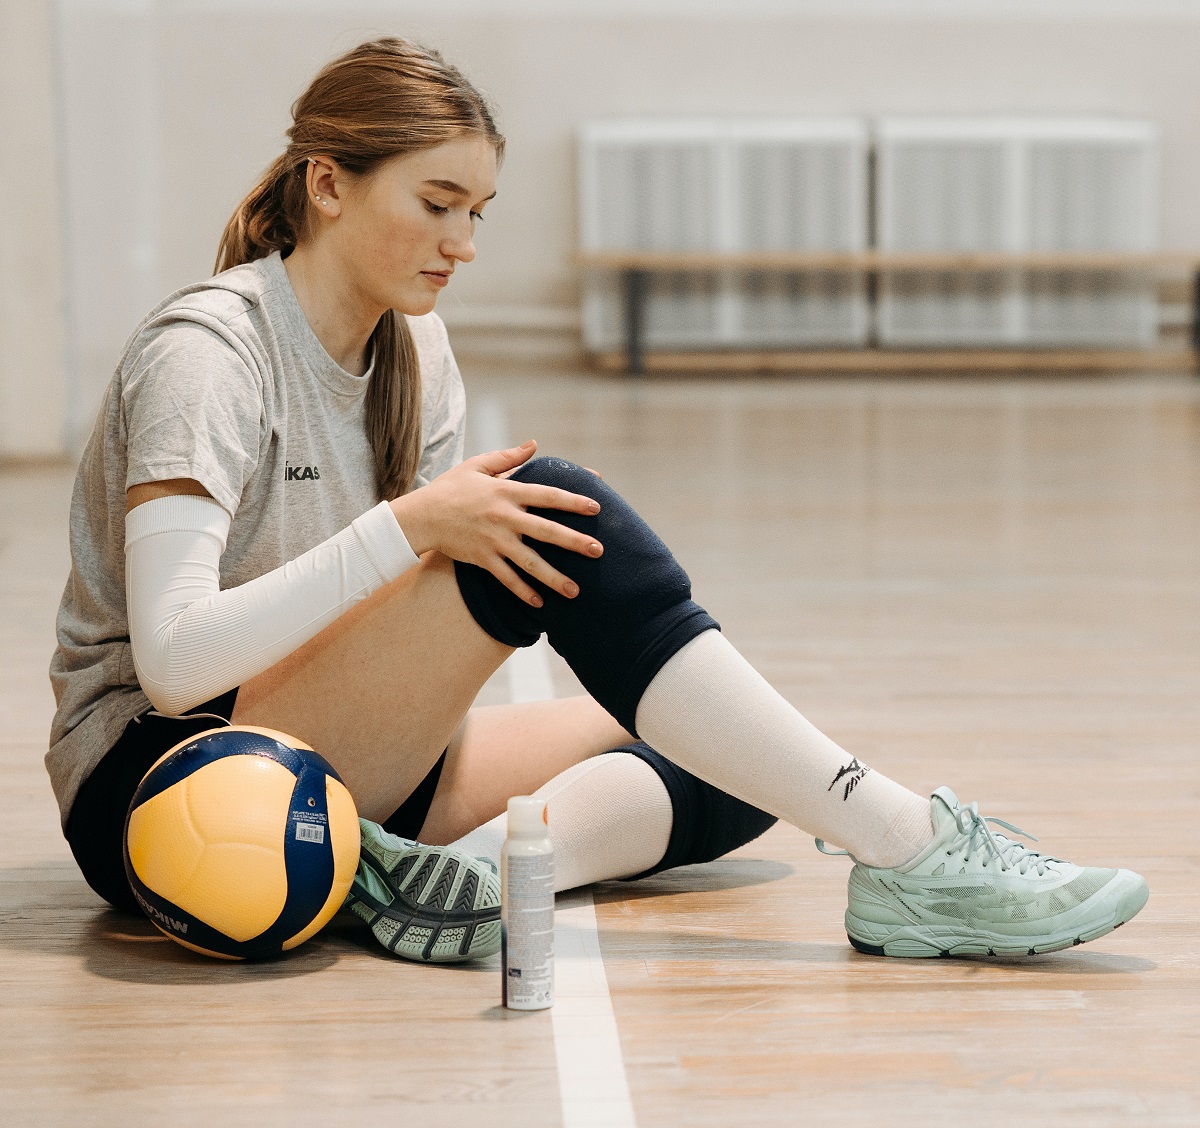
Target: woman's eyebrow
[(455, 189)]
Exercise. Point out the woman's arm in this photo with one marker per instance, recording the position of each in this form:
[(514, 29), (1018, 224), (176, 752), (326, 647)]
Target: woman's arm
[(148, 491), (191, 641)]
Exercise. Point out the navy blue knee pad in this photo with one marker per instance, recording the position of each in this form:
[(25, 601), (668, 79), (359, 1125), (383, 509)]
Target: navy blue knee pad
[(707, 822), (634, 609)]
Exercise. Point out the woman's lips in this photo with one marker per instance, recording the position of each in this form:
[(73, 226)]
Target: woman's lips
[(436, 279)]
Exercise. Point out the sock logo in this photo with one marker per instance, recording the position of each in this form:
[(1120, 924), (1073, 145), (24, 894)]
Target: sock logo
[(853, 774)]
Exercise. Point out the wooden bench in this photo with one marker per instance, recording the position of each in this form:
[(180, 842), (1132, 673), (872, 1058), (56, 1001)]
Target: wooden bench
[(636, 267)]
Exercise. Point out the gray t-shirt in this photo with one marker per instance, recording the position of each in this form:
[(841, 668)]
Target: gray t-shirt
[(226, 383)]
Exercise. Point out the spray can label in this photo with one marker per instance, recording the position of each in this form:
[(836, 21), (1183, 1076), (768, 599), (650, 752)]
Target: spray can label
[(527, 932)]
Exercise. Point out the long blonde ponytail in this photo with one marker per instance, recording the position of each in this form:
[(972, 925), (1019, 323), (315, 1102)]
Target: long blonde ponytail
[(383, 99)]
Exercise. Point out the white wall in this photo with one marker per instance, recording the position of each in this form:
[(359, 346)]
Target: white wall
[(32, 377), (173, 107)]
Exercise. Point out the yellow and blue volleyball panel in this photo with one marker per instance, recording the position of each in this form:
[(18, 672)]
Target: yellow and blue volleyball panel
[(241, 842)]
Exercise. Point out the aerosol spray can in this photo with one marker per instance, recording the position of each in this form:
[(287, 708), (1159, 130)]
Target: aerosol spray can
[(527, 907)]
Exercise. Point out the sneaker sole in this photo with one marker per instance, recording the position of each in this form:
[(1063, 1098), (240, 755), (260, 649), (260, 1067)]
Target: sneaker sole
[(446, 907), (909, 941)]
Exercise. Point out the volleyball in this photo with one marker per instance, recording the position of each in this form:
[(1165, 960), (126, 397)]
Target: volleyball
[(241, 842)]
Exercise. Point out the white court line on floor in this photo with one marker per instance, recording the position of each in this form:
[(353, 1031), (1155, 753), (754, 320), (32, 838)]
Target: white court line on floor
[(591, 1071), (592, 1086)]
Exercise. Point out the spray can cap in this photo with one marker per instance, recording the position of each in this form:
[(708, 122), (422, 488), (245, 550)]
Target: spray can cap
[(527, 817)]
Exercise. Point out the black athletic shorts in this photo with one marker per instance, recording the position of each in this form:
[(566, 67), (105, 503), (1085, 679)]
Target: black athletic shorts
[(96, 824)]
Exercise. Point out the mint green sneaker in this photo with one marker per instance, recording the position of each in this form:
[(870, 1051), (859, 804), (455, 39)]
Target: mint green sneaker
[(434, 904), (975, 892)]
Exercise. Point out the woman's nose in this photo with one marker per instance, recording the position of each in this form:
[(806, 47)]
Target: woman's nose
[(460, 247)]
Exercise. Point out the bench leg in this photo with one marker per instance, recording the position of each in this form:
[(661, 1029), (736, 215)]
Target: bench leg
[(1196, 315), (635, 312)]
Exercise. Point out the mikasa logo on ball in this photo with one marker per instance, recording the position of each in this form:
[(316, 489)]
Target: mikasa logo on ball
[(158, 915), (301, 473)]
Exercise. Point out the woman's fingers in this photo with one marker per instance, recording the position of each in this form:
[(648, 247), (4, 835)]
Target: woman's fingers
[(551, 497), (552, 532), (483, 522), (498, 462), (532, 564), (506, 574), (527, 558)]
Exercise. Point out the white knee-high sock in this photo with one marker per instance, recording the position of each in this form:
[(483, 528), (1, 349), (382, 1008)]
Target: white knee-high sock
[(609, 817), (712, 713)]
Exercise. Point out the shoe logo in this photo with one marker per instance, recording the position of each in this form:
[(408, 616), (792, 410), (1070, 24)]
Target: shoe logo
[(853, 773), (301, 474)]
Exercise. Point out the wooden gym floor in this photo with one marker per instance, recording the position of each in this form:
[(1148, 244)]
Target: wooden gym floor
[(990, 583)]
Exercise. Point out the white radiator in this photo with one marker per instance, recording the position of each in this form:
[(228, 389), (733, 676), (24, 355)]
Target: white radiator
[(726, 186), (1007, 184)]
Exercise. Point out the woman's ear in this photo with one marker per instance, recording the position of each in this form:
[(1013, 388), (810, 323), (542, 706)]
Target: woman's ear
[(322, 178)]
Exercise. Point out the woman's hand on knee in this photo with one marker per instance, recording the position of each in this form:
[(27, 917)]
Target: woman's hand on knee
[(475, 513)]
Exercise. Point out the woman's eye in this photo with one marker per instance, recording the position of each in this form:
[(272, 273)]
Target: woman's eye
[(438, 209)]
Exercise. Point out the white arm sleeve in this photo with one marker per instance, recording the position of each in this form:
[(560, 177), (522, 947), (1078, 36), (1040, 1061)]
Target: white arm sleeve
[(191, 641)]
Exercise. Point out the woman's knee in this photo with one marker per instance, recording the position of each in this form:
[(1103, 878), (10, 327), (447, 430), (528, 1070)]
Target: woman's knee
[(558, 472), (634, 608), (707, 823), (637, 570)]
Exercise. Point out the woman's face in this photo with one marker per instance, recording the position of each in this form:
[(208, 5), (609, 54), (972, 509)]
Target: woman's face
[(403, 229)]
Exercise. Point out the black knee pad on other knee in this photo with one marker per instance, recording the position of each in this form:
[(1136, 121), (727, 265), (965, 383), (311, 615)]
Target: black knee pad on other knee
[(634, 609), (707, 822)]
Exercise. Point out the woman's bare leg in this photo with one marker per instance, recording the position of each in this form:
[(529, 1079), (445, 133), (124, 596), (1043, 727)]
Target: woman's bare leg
[(505, 750), (380, 692)]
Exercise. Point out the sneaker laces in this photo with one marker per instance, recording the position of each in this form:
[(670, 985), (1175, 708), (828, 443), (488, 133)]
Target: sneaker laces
[(974, 826), (1008, 852)]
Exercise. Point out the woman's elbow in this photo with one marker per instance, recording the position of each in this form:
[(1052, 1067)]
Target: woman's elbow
[(169, 699)]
